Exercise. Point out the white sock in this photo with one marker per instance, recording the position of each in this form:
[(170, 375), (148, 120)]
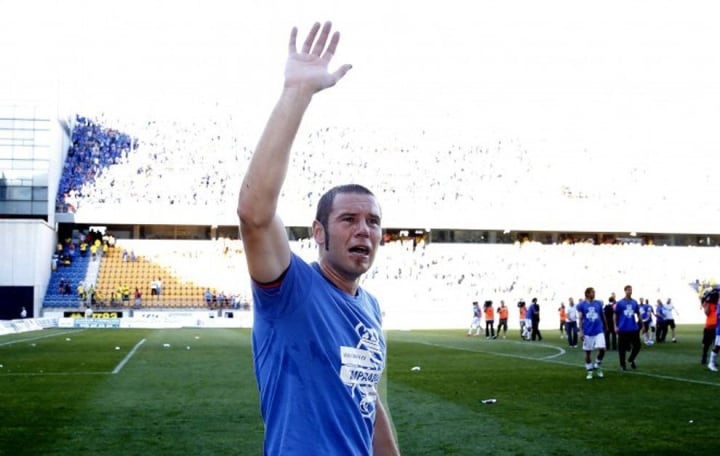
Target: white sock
[(713, 358)]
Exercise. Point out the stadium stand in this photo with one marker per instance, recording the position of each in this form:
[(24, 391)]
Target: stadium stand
[(71, 275), (430, 182)]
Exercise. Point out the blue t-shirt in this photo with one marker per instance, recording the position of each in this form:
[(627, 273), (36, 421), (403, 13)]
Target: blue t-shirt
[(646, 312), (530, 312), (659, 313), (626, 309), (319, 354), (592, 311)]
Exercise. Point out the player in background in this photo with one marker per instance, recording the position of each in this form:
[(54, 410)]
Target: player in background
[(627, 326), (592, 332), (475, 322)]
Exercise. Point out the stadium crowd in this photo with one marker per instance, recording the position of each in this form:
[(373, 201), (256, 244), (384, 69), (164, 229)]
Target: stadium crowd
[(193, 163), (94, 149)]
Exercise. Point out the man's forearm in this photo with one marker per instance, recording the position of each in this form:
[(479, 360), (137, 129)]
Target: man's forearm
[(383, 438), (267, 170)]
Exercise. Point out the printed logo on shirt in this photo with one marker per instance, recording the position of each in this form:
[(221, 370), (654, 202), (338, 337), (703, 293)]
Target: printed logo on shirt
[(362, 368), (592, 314)]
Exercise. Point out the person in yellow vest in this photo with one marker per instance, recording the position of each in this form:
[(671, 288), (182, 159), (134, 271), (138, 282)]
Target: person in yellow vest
[(125, 293), (83, 249), (113, 298), (489, 320), (563, 319), (93, 252), (502, 319), (99, 298), (81, 291), (522, 315)]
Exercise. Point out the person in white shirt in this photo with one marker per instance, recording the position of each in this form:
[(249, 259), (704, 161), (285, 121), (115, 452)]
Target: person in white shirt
[(571, 323), (669, 314)]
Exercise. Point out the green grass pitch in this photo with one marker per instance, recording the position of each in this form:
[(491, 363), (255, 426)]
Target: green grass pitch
[(72, 392)]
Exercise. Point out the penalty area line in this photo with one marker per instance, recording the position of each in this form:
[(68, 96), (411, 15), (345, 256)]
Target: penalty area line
[(127, 357)]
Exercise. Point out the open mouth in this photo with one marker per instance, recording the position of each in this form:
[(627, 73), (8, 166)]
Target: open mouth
[(360, 250)]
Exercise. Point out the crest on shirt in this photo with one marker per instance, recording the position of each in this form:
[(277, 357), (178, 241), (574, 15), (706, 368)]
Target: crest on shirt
[(361, 368)]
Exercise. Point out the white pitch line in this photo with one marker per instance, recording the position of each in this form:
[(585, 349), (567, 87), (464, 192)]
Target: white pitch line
[(52, 374), (549, 359), (30, 339), (127, 357)]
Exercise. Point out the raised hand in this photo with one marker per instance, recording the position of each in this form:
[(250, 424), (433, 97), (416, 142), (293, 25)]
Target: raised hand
[(308, 69)]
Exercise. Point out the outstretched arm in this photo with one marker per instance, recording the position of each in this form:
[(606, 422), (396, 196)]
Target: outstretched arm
[(306, 73)]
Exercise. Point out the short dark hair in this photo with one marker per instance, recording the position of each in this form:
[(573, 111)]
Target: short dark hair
[(325, 204)]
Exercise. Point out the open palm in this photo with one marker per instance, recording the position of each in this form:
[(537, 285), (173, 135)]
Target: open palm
[(308, 69)]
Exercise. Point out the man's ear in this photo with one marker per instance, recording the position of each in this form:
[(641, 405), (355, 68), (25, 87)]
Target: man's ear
[(318, 232)]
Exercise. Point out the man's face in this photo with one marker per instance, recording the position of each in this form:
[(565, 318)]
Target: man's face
[(590, 295), (628, 292), (354, 232)]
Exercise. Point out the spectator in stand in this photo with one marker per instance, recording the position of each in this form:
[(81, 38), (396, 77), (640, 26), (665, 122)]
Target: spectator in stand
[(138, 297), (99, 299), (81, 291), (154, 289)]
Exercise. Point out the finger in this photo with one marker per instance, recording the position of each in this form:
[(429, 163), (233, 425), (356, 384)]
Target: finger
[(341, 72), (330, 51), (310, 38), (292, 49), (320, 43)]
